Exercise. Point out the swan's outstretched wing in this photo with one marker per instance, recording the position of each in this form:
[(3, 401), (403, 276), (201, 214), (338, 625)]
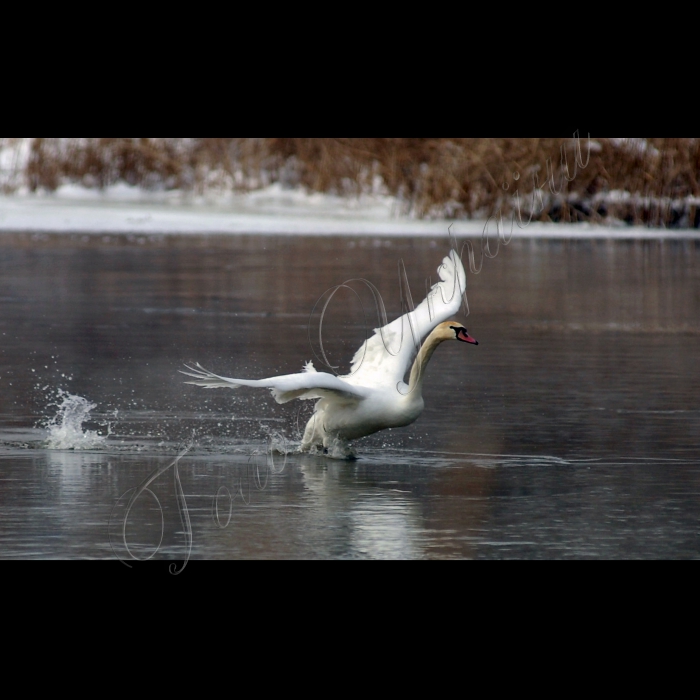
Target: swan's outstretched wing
[(305, 385), (384, 359)]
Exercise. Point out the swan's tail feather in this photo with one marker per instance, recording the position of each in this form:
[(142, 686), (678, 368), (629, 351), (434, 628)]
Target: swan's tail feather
[(208, 379)]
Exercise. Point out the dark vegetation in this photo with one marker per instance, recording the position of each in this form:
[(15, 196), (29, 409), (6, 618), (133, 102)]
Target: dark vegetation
[(651, 181)]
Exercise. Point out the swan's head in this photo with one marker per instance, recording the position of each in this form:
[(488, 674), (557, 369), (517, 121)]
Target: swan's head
[(452, 330)]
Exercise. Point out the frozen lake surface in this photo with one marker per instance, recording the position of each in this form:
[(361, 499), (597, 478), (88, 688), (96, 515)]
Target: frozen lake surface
[(571, 431)]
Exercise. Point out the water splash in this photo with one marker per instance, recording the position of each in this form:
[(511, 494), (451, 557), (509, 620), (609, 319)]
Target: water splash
[(66, 427)]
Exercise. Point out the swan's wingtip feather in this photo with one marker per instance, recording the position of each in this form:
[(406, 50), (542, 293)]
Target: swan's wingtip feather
[(214, 384), (189, 374), (199, 374)]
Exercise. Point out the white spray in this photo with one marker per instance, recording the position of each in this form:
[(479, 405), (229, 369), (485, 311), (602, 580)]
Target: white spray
[(66, 427)]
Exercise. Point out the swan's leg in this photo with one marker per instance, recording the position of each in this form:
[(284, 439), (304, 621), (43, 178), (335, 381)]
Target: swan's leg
[(313, 433), (315, 436)]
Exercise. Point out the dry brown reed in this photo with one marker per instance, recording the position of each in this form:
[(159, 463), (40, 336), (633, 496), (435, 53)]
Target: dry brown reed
[(641, 181)]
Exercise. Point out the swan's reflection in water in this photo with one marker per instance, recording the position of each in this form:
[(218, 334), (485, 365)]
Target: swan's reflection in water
[(385, 529), (373, 523)]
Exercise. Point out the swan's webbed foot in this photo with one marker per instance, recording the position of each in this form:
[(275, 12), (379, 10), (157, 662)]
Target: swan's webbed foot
[(350, 456), (334, 448)]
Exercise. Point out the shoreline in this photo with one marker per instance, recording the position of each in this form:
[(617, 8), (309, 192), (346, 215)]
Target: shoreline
[(271, 213)]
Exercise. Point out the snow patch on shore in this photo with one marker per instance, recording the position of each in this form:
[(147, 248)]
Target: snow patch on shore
[(273, 210)]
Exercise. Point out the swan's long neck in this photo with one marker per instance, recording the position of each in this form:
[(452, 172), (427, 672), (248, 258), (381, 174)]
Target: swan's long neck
[(415, 383)]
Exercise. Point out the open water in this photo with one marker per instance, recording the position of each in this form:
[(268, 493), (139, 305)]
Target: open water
[(571, 431)]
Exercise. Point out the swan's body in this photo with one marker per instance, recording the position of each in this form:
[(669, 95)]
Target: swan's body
[(373, 396)]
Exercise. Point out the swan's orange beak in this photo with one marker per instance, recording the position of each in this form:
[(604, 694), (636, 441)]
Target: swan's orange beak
[(465, 337)]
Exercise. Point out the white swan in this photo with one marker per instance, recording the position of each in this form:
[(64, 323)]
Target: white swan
[(373, 396)]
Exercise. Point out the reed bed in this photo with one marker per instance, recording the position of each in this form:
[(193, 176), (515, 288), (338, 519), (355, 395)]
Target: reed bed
[(650, 181)]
